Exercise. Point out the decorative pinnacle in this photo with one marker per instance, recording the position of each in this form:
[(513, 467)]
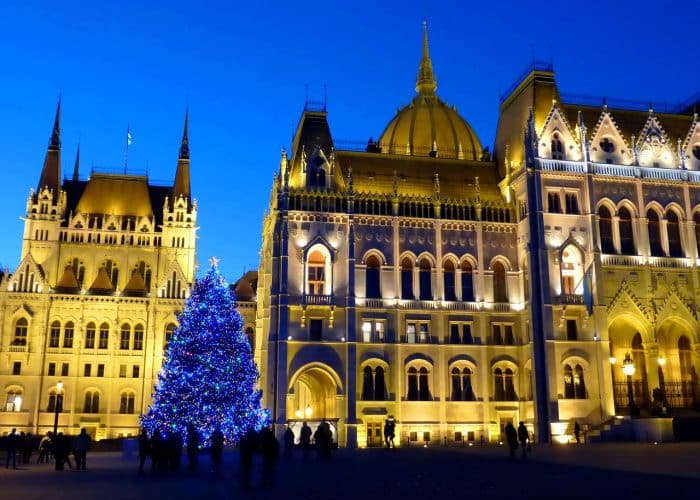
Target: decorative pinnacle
[(425, 82)]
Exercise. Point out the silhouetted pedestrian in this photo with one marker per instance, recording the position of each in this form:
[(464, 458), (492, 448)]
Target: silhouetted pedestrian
[(217, 449), (192, 447), (511, 438), (12, 443), (577, 432), (270, 451), (144, 450), (522, 437), (288, 442), (305, 439), (44, 447), (27, 448), (81, 445), (247, 446)]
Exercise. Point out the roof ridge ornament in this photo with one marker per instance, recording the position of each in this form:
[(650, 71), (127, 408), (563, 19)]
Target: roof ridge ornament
[(426, 85)]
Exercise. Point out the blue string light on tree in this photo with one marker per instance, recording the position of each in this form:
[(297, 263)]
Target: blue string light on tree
[(209, 377)]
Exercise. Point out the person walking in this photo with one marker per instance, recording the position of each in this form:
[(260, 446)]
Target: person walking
[(577, 432), (217, 449), (270, 451), (392, 433), (288, 442), (522, 437), (44, 446), (192, 447), (81, 445), (247, 446), (511, 438), (144, 450), (12, 441), (305, 439)]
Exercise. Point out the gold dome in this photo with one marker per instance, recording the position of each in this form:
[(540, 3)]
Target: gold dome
[(428, 126)]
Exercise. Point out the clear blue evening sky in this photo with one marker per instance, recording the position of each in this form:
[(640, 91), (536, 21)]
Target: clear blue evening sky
[(243, 66)]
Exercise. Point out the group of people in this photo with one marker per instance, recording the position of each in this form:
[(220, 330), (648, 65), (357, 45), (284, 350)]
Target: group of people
[(521, 435), (322, 441), (51, 446)]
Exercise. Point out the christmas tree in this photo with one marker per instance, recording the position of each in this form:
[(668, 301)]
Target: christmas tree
[(209, 377)]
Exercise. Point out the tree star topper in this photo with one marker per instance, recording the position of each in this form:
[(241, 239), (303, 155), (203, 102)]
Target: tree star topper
[(214, 261)]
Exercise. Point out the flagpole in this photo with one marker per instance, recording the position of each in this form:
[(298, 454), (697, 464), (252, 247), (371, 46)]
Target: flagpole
[(126, 151)]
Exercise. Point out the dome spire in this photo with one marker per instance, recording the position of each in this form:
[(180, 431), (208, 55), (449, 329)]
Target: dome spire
[(425, 82)]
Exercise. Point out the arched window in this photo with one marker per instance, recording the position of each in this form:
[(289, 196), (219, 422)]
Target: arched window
[(68, 332), (557, 147), (568, 382), (675, 248), (407, 279), (138, 338), (51, 407), (169, 332), (448, 275), (696, 219), (626, 232), (467, 282), (426, 292), (112, 271), (423, 385), (145, 272), (316, 275), (510, 385), (498, 388), (367, 384), (126, 403), (92, 402), (125, 337), (412, 384), (104, 336), (605, 229), (21, 328), (372, 277), (571, 271), (55, 334), (90, 336), (78, 271), (456, 385), (14, 400), (462, 385), (654, 233), (379, 384), (579, 383), (500, 291)]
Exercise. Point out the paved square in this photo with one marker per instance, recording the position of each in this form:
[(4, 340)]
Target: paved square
[(588, 471)]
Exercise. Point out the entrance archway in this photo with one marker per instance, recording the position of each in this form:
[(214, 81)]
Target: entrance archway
[(626, 337), (678, 379), (314, 396)]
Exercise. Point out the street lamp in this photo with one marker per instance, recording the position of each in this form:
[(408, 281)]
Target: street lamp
[(662, 381), (628, 369), (58, 406)]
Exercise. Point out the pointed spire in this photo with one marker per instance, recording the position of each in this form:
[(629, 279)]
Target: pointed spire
[(51, 172), (425, 82), (181, 186), (55, 141), (76, 166), (185, 145)]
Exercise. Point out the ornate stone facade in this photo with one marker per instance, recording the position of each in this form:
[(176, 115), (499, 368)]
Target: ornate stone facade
[(457, 292)]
